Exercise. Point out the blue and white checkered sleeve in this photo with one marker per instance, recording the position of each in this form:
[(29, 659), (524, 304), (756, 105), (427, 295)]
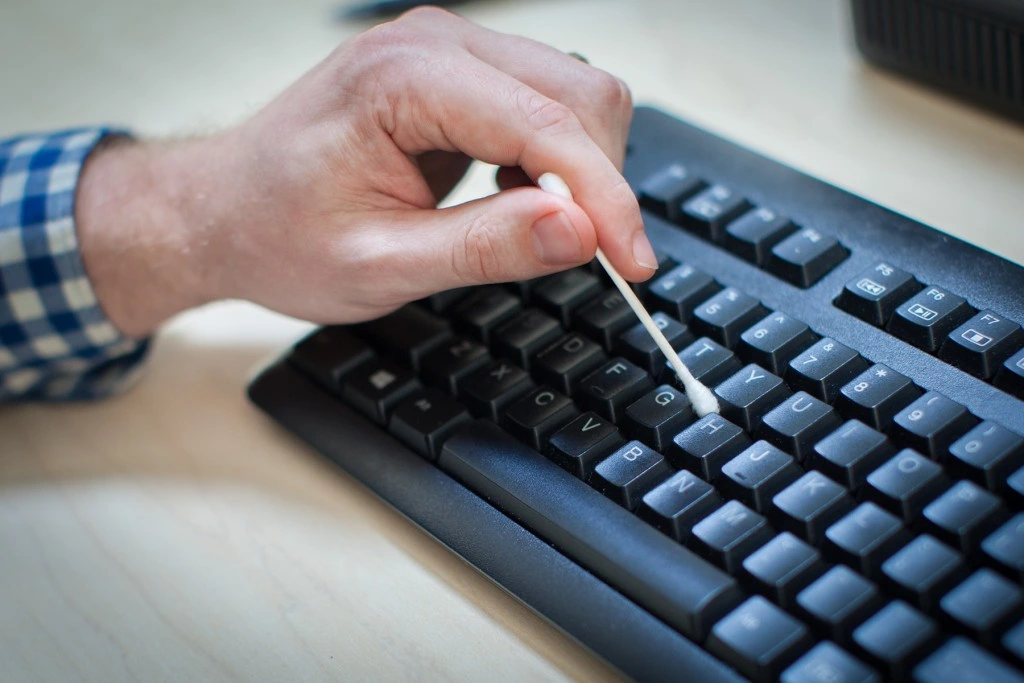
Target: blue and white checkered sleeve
[(55, 341)]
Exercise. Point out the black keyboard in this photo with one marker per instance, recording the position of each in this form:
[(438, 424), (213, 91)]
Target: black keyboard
[(856, 511)]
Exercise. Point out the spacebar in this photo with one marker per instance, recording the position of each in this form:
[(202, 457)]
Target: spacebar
[(651, 569)]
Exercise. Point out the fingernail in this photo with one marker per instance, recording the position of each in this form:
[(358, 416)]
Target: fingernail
[(556, 241), (643, 253)]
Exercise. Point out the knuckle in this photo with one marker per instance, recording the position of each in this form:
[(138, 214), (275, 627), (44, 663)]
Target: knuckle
[(389, 36), (426, 15), (477, 257), (546, 115)]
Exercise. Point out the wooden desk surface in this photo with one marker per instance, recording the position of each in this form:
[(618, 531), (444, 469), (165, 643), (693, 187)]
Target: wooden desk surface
[(175, 534)]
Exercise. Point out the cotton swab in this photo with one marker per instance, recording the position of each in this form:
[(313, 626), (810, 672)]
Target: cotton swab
[(702, 399)]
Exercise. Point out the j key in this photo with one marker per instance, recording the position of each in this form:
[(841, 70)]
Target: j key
[(874, 294), (838, 602), (1011, 375), (752, 235), (754, 476), (774, 341), (329, 354), (964, 515), (488, 390), (810, 505), (523, 336), (805, 257), (865, 538), (906, 483), (983, 606), (726, 315), (442, 301), (798, 423), (637, 345), (1005, 548), (706, 445), (567, 361), (960, 660), (664, 192), (534, 417), (374, 388), (657, 416), (612, 387), (987, 455), (759, 639), (708, 212), (1013, 641), (482, 311), (783, 567), (926, 318), (410, 332), (849, 454), (424, 420), (447, 364), (658, 573), (829, 663), (825, 367), (923, 571), (729, 534), (746, 396), (876, 395), (630, 472), (708, 360), (605, 318), (896, 639), (677, 504), (680, 290), (931, 423), (564, 292), (580, 445), (981, 344)]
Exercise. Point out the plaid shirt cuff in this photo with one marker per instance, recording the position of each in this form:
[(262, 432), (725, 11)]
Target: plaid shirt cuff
[(55, 341)]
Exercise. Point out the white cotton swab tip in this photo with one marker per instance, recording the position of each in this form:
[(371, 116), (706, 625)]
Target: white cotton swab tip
[(701, 398)]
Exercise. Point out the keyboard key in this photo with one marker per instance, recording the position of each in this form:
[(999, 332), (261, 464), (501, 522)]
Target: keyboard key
[(482, 311), (745, 397), (580, 445), (442, 301), (1004, 548), (567, 361), (680, 290), (986, 455), (729, 534), (708, 212), (536, 416), (959, 661), (798, 423), (1015, 488), (810, 505), (708, 360), (706, 445), (752, 235), (1013, 641), (678, 503), (906, 483), (375, 388), (759, 639), (408, 333), (726, 315), (328, 354), (838, 602), (923, 571), (637, 345), (829, 663), (865, 538), (774, 341), (805, 257), (664, 191), (657, 416), (926, 318), (656, 572), (964, 515), (931, 423), (783, 567), (754, 476), (522, 337), (849, 454), (876, 395), (447, 364), (630, 472), (896, 639), (825, 367), (1011, 375), (874, 294), (562, 293), (613, 386), (983, 606), (424, 420), (665, 264), (488, 390), (605, 318), (981, 344)]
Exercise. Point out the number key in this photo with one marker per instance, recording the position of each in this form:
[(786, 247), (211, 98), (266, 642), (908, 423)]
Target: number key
[(774, 341), (822, 369), (726, 315), (931, 423), (873, 295), (678, 291), (987, 455), (876, 395), (926, 318)]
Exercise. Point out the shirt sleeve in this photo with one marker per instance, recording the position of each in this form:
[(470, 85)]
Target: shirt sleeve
[(56, 343)]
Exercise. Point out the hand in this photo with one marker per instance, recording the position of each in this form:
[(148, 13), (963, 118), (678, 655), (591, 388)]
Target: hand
[(323, 205)]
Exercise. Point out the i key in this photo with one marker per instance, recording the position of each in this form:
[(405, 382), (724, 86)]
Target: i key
[(613, 386), (726, 315), (982, 343), (658, 415), (849, 454), (926, 318), (874, 294)]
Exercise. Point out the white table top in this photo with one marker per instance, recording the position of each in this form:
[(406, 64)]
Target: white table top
[(175, 534)]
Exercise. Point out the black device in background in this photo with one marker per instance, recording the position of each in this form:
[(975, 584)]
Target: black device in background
[(383, 9), (971, 48)]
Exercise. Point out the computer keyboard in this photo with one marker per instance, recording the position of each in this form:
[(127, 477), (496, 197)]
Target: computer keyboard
[(853, 514)]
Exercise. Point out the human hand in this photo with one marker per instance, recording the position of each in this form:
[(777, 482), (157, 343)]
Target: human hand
[(323, 205)]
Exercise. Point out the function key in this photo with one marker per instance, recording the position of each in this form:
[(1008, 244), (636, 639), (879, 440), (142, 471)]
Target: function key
[(923, 571), (752, 235), (931, 423), (579, 445), (613, 386), (905, 484), (926, 318), (482, 311), (524, 335), (987, 455), (806, 256), (984, 606), (849, 454), (825, 367), (679, 503), (749, 394), (605, 318), (982, 343), (1011, 375), (374, 388), (564, 292), (896, 639), (708, 212), (876, 395), (488, 390), (873, 295), (664, 192), (637, 345), (680, 290), (798, 423), (425, 419), (726, 315), (630, 472), (536, 416), (328, 354), (774, 341), (838, 602), (759, 639), (709, 362), (829, 663), (410, 332)]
